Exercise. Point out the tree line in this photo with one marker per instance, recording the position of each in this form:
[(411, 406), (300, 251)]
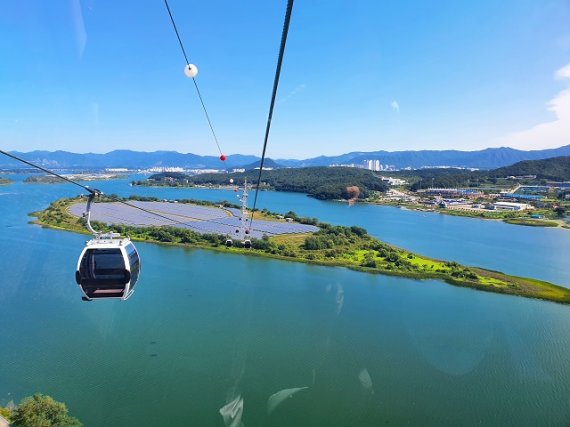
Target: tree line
[(325, 183)]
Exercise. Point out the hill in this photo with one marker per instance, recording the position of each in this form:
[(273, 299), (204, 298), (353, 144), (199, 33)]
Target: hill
[(557, 168), (326, 183), (126, 159), (489, 158), (269, 163)]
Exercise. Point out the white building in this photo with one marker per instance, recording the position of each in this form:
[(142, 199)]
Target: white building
[(393, 181), (510, 206), (373, 165), (166, 169)]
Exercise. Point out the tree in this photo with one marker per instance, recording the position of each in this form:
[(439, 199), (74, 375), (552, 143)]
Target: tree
[(40, 410), (6, 413)]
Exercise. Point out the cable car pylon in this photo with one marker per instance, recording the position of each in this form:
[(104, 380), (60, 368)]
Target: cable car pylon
[(243, 232), (244, 228)]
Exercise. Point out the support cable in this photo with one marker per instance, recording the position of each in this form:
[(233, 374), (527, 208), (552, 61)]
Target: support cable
[(94, 192), (90, 190), (222, 157), (273, 96)]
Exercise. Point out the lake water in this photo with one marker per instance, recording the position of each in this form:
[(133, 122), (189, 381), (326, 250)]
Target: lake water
[(204, 328)]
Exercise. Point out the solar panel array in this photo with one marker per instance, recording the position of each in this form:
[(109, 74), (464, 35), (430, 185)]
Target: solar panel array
[(201, 219)]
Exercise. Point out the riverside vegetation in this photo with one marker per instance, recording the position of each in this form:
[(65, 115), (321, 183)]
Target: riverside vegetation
[(350, 247), (39, 410), (324, 183)]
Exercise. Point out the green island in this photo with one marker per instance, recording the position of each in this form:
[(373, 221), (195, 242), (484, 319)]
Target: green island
[(350, 247), (50, 179), (5, 181)]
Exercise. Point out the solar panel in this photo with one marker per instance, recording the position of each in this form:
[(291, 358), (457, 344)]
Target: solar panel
[(202, 219)]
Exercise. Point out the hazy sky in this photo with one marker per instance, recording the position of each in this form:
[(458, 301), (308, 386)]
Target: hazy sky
[(359, 75)]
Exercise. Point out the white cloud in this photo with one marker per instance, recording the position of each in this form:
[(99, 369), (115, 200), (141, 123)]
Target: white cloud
[(551, 134), (395, 106), (563, 73)]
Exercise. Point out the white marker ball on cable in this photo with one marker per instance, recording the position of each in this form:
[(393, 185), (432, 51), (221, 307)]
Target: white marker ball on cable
[(231, 180), (191, 70)]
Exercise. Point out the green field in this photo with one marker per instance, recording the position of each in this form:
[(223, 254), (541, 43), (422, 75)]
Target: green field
[(531, 222)]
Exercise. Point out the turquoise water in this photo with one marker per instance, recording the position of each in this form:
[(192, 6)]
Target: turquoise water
[(204, 328)]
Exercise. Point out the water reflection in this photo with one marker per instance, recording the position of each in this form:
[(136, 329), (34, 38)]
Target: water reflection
[(278, 398), (366, 380), (232, 412)]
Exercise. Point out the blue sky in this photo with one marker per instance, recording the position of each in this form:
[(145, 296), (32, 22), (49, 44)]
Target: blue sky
[(97, 75)]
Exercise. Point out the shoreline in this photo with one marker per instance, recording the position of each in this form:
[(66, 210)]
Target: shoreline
[(355, 250), (520, 220), (483, 215)]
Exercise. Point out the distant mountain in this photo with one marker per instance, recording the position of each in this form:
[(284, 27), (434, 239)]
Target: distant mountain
[(269, 163), (557, 168), (126, 159), (489, 158)]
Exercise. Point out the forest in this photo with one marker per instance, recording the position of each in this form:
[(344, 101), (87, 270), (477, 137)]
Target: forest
[(325, 183), (556, 169)]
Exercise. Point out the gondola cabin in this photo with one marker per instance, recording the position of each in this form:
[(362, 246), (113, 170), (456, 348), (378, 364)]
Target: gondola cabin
[(108, 268)]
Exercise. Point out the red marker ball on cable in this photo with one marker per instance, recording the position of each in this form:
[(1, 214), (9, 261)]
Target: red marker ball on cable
[(223, 157)]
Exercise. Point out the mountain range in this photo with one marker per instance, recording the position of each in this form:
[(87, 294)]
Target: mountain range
[(489, 158)]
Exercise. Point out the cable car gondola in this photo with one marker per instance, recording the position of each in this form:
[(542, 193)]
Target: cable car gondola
[(109, 265)]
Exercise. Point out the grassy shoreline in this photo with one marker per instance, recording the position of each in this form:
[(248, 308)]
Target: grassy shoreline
[(507, 217), (349, 247)]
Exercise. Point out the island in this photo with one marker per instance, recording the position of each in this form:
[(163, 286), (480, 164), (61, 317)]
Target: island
[(328, 245), (51, 179), (5, 181)]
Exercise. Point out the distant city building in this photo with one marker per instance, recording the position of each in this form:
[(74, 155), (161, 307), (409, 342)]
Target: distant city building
[(166, 169), (345, 165), (452, 192), (393, 181), (199, 171), (521, 177), (116, 170), (373, 165)]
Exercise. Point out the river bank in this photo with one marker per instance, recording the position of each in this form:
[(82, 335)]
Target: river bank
[(513, 218)]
